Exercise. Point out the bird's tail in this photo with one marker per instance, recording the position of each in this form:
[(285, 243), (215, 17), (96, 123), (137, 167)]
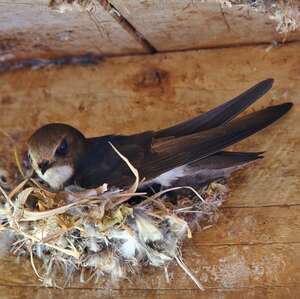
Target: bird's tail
[(219, 115), (171, 153)]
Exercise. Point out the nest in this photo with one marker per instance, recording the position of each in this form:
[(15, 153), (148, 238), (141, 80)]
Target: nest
[(101, 232)]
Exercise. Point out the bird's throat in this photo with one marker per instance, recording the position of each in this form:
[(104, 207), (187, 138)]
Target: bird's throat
[(56, 176)]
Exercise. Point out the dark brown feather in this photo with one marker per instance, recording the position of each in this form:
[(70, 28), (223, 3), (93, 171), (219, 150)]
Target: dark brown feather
[(152, 157), (219, 115), (171, 153)]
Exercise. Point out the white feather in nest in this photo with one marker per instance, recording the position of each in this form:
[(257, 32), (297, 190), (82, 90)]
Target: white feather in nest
[(99, 230), (64, 6)]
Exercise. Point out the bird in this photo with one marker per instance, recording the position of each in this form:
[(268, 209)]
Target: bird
[(191, 150)]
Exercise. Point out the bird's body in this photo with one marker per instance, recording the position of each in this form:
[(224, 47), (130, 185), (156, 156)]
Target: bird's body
[(61, 155)]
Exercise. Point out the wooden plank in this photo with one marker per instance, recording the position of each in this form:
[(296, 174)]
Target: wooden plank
[(39, 293), (125, 95), (222, 267), (189, 24), (237, 231), (251, 251), (253, 226), (30, 29)]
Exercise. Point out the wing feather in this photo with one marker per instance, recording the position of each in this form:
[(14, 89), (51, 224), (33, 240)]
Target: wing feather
[(219, 115)]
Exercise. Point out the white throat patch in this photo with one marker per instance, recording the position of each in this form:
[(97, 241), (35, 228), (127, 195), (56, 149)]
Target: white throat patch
[(56, 176)]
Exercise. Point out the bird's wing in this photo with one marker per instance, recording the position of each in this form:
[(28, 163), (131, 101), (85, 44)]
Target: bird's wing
[(101, 164), (205, 170), (153, 157), (219, 115), (170, 153)]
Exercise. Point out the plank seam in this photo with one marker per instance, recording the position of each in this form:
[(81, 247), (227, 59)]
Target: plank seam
[(245, 244), (131, 290), (127, 26), (94, 59), (228, 46), (260, 206)]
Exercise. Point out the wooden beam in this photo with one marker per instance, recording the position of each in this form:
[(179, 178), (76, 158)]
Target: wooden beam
[(253, 240), (222, 267), (262, 225), (253, 249), (30, 29), (7, 292), (127, 26), (125, 95), (194, 24)]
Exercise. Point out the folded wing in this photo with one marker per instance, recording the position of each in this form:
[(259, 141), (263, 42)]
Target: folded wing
[(171, 153), (219, 115)]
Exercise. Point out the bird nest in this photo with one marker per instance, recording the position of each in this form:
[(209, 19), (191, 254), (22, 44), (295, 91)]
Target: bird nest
[(101, 232)]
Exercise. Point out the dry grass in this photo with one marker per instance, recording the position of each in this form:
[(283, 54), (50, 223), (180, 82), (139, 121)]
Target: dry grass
[(102, 232)]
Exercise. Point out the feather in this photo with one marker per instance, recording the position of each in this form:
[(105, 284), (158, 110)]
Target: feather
[(219, 115), (219, 165), (154, 157), (147, 231), (175, 152), (130, 246)]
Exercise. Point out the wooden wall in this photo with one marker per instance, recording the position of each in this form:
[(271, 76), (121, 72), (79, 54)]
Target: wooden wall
[(254, 250), (33, 29)]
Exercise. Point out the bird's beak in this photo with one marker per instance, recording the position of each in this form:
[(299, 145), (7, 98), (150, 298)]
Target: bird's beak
[(44, 165)]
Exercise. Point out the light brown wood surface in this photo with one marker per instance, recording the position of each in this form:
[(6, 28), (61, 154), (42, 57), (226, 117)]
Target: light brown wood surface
[(254, 249), (30, 29), (259, 293), (174, 25)]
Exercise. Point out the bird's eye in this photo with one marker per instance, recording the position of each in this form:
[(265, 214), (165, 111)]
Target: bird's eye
[(27, 160), (62, 148)]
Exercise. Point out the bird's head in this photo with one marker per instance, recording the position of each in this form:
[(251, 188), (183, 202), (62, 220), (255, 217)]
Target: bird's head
[(54, 150)]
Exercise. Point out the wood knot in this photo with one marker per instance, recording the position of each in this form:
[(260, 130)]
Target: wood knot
[(151, 78)]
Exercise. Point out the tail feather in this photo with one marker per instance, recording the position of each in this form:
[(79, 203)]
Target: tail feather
[(219, 115), (175, 152), (225, 159)]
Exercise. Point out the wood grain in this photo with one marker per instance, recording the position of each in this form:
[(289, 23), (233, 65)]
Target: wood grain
[(30, 29), (254, 241), (125, 95), (254, 250), (41, 293), (186, 24), (221, 266)]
